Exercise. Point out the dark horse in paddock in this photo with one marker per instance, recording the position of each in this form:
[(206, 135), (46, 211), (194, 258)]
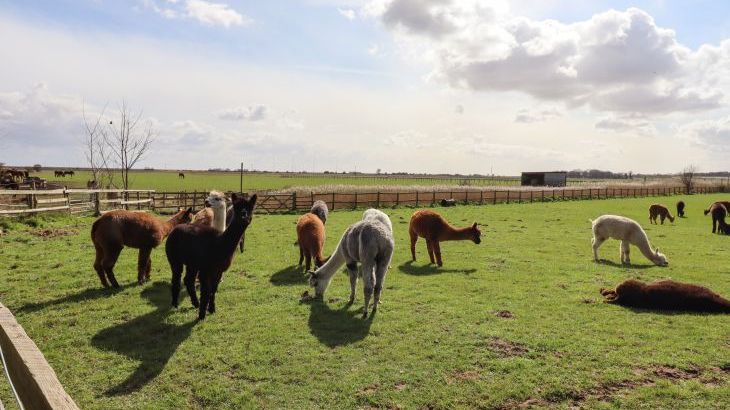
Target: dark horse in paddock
[(181, 175)]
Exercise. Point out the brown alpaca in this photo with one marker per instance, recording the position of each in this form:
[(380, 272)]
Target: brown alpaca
[(116, 229), (661, 211), (666, 295), (434, 228), (726, 204), (310, 237), (719, 212)]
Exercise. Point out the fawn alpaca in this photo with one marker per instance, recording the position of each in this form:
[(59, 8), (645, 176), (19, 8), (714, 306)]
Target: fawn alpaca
[(206, 254), (116, 229), (666, 295), (320, 209), (629, 232), (215, 213), (310, 237), (434, 228), (661, 211), (369, 242)]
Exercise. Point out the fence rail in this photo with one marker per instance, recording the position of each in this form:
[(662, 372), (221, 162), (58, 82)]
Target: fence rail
[(84, 200)]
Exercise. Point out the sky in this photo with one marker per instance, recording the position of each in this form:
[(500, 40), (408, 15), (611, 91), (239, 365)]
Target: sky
[(434, 86)]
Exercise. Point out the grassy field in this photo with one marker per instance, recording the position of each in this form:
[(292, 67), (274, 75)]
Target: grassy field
[(206, 181), (516, 320)]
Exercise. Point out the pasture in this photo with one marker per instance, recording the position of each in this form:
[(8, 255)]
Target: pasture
[(514, 321)]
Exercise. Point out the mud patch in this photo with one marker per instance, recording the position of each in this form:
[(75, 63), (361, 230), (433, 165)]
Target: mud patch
[(504, 314), (674, 373), (505, 348), (466, 375), (53, 232), (400, 386), (368, 390)]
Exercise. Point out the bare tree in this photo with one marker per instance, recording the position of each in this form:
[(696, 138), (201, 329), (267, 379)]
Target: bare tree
[(127, 140), (96, 152), (687, 177)]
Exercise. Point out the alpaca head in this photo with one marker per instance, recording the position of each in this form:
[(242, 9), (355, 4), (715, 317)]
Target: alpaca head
[(671, 218), (243, 208), (216, 200), (475, 234), (319, 284), (660, 259), (183, 215)]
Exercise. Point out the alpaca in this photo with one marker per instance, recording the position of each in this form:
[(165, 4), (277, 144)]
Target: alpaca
[(116, 229), (726, 204), (206, 254), (719, 212), (666, 295), (448, 202), (215, 212), (661, 211), (180, 175), (310, 237), (319, 208), (369, 242), (680, 209), (378, 215), (628, 232), (434, 228)]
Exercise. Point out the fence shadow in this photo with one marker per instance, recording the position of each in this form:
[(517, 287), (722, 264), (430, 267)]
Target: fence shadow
[(86, 295), (148, 339), (291, 275), (430, 269), (337, 327)]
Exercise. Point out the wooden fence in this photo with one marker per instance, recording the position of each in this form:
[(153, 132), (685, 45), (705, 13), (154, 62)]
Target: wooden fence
[(25, 202), (33, 380)]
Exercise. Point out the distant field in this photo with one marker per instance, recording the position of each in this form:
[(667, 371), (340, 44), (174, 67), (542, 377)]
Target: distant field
[(514, 322)]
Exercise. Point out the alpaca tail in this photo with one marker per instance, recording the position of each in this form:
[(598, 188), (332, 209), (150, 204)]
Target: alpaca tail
[(706, 211)]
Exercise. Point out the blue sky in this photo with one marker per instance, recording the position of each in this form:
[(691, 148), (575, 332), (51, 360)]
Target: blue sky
[(409, 85)]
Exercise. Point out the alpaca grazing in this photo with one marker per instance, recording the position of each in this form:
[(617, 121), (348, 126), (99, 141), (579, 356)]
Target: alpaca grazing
[(206, 254), (726, 204), (215, 212), (666, 295), (368, 242), (310, 237), (629, 232), (434, 228), (680, 209), (319, 208), (661, 211), (116, 229), (719, 212)]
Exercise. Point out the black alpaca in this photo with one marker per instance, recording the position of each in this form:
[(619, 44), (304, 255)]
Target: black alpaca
[(680, 209), (206, 254)]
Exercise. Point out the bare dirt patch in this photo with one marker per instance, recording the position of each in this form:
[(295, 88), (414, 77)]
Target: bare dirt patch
[(466, 375), (504, 314), (505, 348), (53, 232)]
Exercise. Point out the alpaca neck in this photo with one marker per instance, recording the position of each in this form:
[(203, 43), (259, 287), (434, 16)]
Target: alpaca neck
[(456, 234), (232, 235), (328, 270), (171, 223), (219, 218), (646, 250)]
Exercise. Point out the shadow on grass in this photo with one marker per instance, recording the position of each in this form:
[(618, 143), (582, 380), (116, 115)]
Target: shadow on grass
[(88, 294), (621, 265), (430, 269), (670, 312), (291, 275), (147, 339), (337, 327)]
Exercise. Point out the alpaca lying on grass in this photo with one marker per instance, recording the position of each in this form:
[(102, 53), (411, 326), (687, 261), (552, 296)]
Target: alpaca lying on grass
[(629, 232), (206, 254), (666, 295), (368, 242), (432, 226), (215, 212), (719, 212), (661, 211), (116, 229), (320, 209), (680, 209), (310, 238)]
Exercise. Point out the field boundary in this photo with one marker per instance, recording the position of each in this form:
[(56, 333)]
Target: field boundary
[(29, 201)]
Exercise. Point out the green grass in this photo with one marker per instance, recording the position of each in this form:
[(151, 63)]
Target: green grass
[(435, 341), (206, 181)]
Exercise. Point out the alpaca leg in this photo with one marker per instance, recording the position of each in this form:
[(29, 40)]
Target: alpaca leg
[(142, 262), (381, 268), (429, 247), (352, 272), (301, 255), (714, 225), (414, 239), (213, 291), (205, 288), (98, 267), (307, 260), (596, 242), (625, 249), (437, 252), (110, 259), (368, 279), (177, 269), (662, 219), (191, 273)]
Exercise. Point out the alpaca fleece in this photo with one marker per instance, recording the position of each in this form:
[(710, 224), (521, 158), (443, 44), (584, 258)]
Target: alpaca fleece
[(629, 232), (310, 237), (666, 295), (434, 228), (660, 211)]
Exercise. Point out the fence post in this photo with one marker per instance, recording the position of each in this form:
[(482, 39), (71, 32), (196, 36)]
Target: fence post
[(416, 198), (481, 197), (333, 201), (531, 196), (508, 196), (494, 197), (138, 204), (294, 201), (433, 198), (397, 198), (354, 205), (377, 200), (97, 204), (466, 197)]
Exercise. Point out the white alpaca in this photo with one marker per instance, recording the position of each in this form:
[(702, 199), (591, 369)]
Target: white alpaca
[(369, 242), (215, 214), (628, 232), (378, 215)]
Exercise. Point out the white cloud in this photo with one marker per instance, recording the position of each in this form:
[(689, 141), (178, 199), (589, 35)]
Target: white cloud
[(373, 50), (251, 113), (459, 109), (616, 61), (713, 135), (347, 13), (205, 12), (526, 116), (628, 124)]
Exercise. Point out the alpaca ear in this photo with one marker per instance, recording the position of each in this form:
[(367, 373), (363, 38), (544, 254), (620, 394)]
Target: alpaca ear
[(475, 225), (252, 200), (234, 197), (189, 211)]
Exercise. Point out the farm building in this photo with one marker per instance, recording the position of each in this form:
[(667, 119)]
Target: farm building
[(557, 178)]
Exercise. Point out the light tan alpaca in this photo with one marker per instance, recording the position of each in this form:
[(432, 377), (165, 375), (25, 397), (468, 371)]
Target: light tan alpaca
[(629, 232), (215, 215), (661, 211)]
